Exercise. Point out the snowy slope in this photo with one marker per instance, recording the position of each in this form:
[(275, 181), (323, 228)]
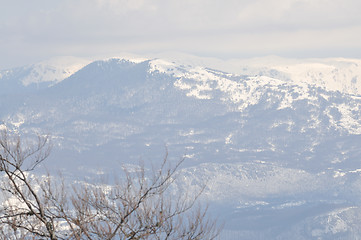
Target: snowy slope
[(338, 74), (39, 75), (332, 74)]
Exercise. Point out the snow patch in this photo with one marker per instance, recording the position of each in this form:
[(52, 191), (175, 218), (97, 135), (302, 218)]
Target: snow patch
[(54, 70)]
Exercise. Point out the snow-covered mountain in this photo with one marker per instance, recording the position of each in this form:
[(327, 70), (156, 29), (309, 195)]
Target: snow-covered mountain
[(336, 74), (39, 75), (277, 142)]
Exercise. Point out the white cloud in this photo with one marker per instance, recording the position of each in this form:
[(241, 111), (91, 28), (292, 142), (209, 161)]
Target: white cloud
[(123, 7), (211, 27)]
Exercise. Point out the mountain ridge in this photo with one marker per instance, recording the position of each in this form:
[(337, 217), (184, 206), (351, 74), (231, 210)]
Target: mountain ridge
[(266, 145)]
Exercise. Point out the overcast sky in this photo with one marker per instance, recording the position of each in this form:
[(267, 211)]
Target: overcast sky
[(35, 30)]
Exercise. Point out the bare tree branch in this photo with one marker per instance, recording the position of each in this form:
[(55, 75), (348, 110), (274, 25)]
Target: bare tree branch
[(138, 206)]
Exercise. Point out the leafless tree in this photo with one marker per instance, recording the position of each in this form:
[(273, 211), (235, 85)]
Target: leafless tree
[(137, 206), (23, 209)]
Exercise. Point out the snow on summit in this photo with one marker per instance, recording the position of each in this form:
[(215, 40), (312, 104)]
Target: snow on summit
[(54, 70), (333, 74)]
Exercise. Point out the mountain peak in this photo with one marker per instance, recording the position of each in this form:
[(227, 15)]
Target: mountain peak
[(53, 70)]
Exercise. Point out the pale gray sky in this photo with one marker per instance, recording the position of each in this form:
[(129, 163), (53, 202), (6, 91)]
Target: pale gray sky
[(34, 30)]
